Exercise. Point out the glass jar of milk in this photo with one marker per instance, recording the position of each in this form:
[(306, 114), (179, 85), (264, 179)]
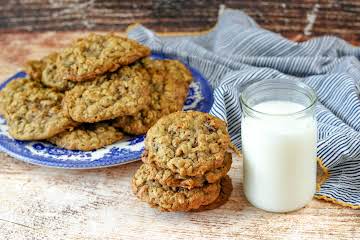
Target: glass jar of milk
[(279, 134)]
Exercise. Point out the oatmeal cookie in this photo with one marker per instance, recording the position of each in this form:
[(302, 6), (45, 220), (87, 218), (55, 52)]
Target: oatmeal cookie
[(46, 71), (97, 54), (87, 137), (169, 85), (168, 178), (188, 143), (172, 198), (20, 86), (225, 193), (36, 113), (124, 92)]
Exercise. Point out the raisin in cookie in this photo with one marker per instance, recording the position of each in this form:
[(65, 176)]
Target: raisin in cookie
[(36, 113), (87, 137), (124, 92), (168, 178), (187, 143), (172, 198), (169, 85), (97, 54), (48, 73)]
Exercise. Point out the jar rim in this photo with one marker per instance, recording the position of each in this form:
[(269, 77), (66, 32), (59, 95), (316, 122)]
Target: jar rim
[(295, 84)]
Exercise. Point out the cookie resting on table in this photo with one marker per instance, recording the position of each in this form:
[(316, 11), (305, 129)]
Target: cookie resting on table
[(172, 198), (87, 137), (225, 193), (168, 178), (48, 73), (96, 54), (169, 85), (187, 143), (115, 94), (34, 112)]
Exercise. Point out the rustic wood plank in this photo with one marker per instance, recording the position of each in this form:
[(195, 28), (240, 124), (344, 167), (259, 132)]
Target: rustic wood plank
[(311, 17), (42, 203)]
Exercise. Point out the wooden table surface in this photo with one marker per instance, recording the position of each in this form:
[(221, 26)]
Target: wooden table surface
[(42, 203)]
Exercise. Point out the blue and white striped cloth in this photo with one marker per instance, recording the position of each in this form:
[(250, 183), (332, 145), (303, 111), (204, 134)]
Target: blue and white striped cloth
[(237, 51)]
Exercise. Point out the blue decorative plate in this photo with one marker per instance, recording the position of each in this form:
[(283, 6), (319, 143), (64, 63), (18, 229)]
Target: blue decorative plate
[(199, 98)]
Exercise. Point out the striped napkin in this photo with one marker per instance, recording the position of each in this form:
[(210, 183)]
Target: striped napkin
[(237, 51)]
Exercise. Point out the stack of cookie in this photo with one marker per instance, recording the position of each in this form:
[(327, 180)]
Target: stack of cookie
[(185, 163), (85, 96)]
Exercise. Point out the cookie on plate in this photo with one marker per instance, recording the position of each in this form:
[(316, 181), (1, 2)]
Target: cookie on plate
[(48, 73), (172, 198), (124, 92), (18, 86), (96, 54), (87, 137), (169, 85), (187, 143), (168, 178), (36, 113)]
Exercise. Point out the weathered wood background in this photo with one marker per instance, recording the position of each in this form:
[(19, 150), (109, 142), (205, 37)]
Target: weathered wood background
[(291, 18)]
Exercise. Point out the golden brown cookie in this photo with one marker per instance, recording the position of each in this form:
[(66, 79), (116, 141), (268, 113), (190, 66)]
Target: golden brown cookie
[(35, 113), (225, 193), (13, 88), (169, 85), (96, 54), (124, 92), (172, 198), (46, 71), (187, 143), (87, 137), (168, 178)]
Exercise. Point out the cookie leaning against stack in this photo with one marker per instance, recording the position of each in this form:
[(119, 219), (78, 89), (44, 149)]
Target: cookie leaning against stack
[(185, 163), (85, 96)]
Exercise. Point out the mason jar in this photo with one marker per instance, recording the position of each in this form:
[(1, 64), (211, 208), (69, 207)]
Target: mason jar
[(279, 134)]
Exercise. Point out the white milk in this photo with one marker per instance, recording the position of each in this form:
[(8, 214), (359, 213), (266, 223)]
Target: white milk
[(279, 157)]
